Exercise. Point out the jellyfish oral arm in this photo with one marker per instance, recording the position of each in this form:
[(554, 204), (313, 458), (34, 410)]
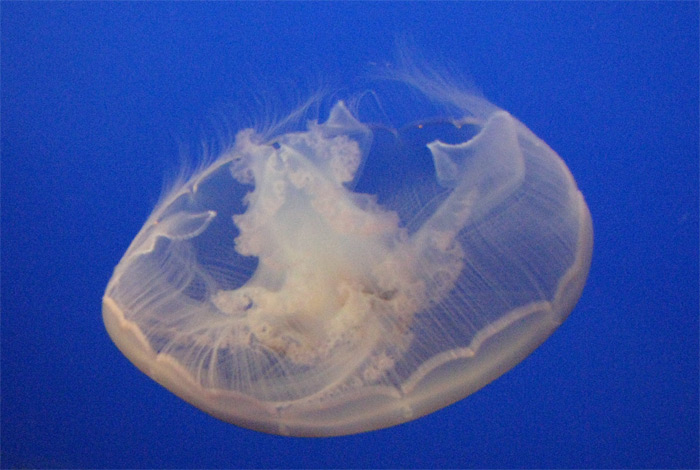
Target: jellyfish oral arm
[(319, 276), (481, 172)]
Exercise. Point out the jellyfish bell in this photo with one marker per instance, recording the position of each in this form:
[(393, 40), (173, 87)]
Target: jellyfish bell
[(345, 277)]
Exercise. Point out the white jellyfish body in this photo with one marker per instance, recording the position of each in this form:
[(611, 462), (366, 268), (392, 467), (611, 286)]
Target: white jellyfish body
[(266, 292)]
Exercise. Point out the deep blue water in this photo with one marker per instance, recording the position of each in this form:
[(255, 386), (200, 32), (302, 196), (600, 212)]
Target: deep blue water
[(99, 98)]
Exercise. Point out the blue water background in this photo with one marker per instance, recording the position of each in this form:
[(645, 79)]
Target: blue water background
[(99, 98)]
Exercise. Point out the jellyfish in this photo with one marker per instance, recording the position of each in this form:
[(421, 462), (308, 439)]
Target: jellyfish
[(344, 276)]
